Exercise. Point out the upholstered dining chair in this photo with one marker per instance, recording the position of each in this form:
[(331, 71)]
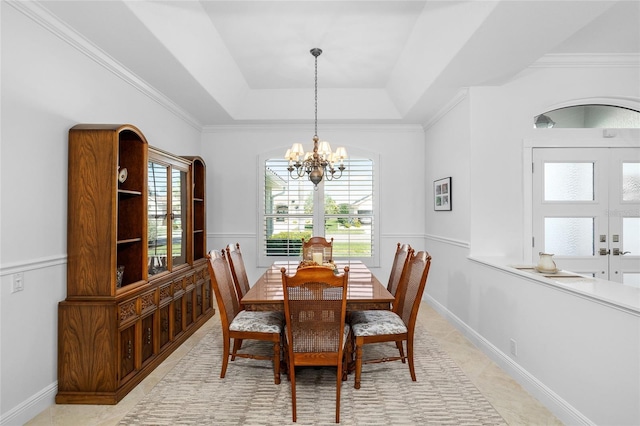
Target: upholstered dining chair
[(238, 324), (238, 271), (396, 325), (317, 243), (315, 305)]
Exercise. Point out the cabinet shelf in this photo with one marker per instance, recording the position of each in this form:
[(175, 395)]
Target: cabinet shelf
[(129, 240), (129, 192)]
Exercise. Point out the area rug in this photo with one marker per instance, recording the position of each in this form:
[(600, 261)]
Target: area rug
[(192, 393)]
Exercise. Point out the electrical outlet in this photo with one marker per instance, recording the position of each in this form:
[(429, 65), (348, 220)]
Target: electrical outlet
[(514, 347), (18, 282)]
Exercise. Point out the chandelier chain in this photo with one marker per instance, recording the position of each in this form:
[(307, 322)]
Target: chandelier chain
[(316, 97)]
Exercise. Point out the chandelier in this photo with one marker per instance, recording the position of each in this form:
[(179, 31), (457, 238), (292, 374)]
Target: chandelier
[(320, 163)]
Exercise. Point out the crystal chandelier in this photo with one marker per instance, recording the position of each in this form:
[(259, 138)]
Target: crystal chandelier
[(321, 162)]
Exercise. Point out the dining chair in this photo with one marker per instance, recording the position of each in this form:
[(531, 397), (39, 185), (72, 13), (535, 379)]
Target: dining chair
[(315, 305), (238, 270), (317, 243), (399, 262), (396, 325), (238, 324)]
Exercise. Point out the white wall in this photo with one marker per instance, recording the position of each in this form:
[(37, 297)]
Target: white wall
[(47, 87), (232, 166), (578, 356)]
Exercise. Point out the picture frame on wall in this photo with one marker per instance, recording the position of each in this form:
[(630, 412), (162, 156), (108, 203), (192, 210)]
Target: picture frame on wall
[(442, 194)]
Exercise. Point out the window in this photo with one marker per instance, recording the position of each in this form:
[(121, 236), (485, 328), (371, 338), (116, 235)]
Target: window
[(343, 209), (589, 116)]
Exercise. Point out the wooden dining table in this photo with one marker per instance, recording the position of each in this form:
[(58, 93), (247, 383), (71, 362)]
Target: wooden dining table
[(364, 290)]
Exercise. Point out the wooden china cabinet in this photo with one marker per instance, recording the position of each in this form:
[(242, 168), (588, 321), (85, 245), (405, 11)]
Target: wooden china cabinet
[(137, 278)]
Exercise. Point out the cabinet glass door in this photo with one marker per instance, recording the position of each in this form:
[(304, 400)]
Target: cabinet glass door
[(158, 234), (178, 217)]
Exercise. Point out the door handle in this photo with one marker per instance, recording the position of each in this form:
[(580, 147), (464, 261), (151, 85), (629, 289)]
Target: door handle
[(604, 252), (617, 252)]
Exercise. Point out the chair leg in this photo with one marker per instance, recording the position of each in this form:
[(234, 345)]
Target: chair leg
[(412, 370), (346, 357), (276, 362), (225, 357), (338, 387), (292, 379), (401, 350), (237, 344), (359, 344)]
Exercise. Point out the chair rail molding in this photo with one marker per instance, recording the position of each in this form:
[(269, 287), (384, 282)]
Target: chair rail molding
[(33, 264), (449, 241)]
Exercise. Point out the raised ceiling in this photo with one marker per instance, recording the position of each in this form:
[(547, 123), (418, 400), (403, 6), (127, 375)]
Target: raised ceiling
[(236, 62)]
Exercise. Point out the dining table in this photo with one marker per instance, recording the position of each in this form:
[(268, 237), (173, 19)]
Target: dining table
[(364, 290)]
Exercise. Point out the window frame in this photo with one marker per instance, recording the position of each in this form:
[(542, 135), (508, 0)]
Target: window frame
[(318, 213)]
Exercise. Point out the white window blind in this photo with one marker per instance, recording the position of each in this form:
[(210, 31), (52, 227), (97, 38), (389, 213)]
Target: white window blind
[(341, 209)]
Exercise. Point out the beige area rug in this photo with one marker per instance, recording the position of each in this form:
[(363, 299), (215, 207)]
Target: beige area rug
[(193, 394)]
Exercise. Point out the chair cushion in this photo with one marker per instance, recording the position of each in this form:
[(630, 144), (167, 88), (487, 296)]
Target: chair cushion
[(260, 322), (376, 323)]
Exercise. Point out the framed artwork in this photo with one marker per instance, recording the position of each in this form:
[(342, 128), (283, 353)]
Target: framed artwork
[(442, 194)]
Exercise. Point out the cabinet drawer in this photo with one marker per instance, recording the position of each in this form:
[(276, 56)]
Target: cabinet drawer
[(148, 302), (127, 312)]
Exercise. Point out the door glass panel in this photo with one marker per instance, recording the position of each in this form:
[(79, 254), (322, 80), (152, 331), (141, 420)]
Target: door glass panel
[(569, 236), (157, 218), (631, 181), (631, 235), (178, 212), (568, 181)]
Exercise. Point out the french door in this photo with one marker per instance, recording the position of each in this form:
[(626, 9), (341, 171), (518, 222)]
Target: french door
[(586, 210)]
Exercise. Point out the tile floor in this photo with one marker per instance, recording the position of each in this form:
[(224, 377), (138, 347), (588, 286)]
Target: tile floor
[(515, 405)]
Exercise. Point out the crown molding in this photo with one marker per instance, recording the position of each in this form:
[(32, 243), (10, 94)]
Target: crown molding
[(587, 60), (460, 96), (40, 15)]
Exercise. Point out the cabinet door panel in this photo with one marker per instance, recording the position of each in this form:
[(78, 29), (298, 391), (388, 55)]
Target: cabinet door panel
[(128, 352), (147, 337), (164, 326), (188, 302), (178, 216), (158, 221), (177, 316)]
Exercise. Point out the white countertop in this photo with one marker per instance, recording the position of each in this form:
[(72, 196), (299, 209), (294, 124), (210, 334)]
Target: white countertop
[(612, 293)]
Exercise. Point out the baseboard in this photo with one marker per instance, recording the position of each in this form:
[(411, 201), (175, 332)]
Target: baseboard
[(31, 407), (564, 411)]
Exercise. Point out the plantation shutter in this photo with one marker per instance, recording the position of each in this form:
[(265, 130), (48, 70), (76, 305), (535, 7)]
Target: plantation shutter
[(348, 211)]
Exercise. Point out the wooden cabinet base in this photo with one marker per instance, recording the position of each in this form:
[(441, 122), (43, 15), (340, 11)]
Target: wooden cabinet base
[(114, 396)]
